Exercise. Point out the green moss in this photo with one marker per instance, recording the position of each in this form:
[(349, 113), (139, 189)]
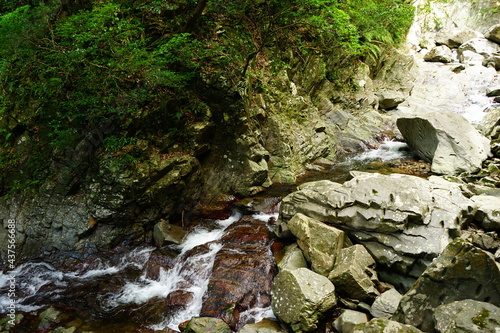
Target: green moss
[(480, 318)]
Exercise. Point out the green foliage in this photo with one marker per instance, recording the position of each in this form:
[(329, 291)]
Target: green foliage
[(65, 68)]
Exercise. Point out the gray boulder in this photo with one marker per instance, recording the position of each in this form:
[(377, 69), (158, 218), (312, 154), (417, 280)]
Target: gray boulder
[(348, 319), (440, 53), (456, 37), (292, 259), (480, 46), (320, 243), (166, 233), (207, 325), (467, 316), (494, 33), (461, 272), (300, 297), (471, 58), (354, 274), (447, 140), (386, 304), (389, 99), (488, 211), (490, 125), (384, 325), (404, 221)]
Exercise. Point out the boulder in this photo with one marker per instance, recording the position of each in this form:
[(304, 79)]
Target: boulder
[(493, 33), (389, 99), (300, 297), (493, 92), (348, 319), (384, 325), (242, 272), (386, 304), (404, 221), (263, 326), (480, 45), (467, 316), (490, 124), (456, 37), (471, 58), (165, 233), (447, 140), (461, 272), (488, 211), (292, 259), (492, 60), (440, 53), (354, 274), (206, 325), (320, 243)]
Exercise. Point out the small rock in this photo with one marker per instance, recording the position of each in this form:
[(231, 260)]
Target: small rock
[(166, 233), (493, 92), (292, 259), (263, 326), (467, 316), (386, 304), (389, 100), (348, 319), (207, 325)]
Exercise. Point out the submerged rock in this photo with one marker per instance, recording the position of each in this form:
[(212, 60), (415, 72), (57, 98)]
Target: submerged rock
[(301, 297), (320, 243), (447, 140), (461, 272), (467, 316), (404, 221)]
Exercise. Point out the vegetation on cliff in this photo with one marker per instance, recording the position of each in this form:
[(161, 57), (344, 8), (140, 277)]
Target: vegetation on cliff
[(123, 72)]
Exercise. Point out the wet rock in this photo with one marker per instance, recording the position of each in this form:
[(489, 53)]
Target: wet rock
[(158, 260), (388, 100), (493, 92), (354, 274), (242, 273), (206, 325), (320, 243), (488, 212), (467, 316), (480, 45), (49, 317), (165, 233), (292, 259), (456, 37), (493, 60), (404, 221), (461, 272), (493, 33), (263, 326), (386, 304), (300, 297), (447, 140), (348, 319), (384, 325), (440, 53)]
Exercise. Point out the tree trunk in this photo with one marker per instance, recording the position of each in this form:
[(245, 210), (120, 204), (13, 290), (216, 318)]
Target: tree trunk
[(200, 7)]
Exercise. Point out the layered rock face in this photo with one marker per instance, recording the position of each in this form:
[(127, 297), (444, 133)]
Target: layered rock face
[(404, 221), (447, 140)]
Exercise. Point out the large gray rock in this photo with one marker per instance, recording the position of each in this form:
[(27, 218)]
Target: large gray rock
[(348, 319), (386, 304), (320, 243), (490, 125), (292, 259), (300, 297), (207, 325), (467, 316), (390, 99), (404, 221), (440, 53), (471, 58), (479, 45), (354, 274), (461, 272), (384, 325), (488, 211), (494, 33), (456, 37), (263, 326), (447, 140)]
